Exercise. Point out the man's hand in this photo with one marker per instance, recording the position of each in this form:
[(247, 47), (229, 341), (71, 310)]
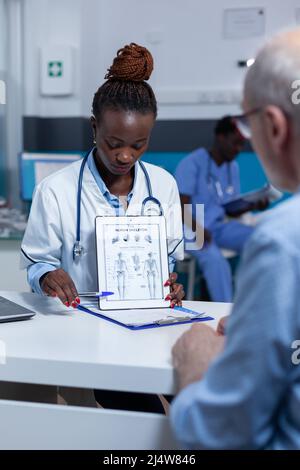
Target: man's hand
[(193, 353), (253, 206), (59, 284), (262, 204)]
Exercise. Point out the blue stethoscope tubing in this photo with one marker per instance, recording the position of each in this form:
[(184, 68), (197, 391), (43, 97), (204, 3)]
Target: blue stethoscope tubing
[(78, 249)]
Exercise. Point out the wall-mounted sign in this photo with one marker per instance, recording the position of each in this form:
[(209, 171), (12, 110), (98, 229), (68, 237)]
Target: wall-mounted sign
[(57, 70), (243, 22)]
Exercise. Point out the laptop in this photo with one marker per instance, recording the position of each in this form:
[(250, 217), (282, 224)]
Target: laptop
[(10, 311)]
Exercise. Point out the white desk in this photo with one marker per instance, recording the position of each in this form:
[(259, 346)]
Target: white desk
[(67, 347)]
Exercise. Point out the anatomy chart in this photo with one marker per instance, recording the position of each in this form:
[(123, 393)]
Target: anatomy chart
[(132, 260)]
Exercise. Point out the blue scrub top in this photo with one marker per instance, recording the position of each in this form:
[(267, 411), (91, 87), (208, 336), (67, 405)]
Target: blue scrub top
[(199, 177)]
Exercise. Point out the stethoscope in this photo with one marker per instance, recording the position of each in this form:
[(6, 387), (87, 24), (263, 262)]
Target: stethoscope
[(78, 249), (211, 178)]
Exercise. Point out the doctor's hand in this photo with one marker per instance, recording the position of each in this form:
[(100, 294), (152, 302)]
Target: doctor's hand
[(193, 353), (222, 326), (59, 284), (176, 291)]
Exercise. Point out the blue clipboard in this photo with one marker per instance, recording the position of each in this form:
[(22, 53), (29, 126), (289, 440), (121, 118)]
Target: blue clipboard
[(150, 325)]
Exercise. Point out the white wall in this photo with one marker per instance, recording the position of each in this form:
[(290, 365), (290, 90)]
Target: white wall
[(52, 22), (3, 44), (192, 54), (2, 36)]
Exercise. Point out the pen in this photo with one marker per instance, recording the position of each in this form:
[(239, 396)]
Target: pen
[(95, 294), (173, 319)]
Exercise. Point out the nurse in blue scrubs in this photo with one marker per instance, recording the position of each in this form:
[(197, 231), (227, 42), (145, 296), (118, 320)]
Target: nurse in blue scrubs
[(211, 177)]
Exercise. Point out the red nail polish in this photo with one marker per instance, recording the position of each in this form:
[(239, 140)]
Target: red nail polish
[(67, 304), (167, 283), (74, 304), (172, 305), (168, 297), (77, 300)]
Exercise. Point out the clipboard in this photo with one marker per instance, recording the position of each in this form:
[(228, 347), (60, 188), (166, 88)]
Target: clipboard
[(174, 316)]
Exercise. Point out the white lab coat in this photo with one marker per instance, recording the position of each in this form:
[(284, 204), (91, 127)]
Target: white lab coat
[(51, 230)]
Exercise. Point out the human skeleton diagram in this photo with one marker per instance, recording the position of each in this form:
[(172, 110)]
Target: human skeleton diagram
[(151, 271), (120, 270), (136, 262)]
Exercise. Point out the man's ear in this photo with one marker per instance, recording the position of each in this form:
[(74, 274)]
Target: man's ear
[(277, 129)]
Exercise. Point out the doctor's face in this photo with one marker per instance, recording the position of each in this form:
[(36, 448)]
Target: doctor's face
[(230, 145), (121, 138)]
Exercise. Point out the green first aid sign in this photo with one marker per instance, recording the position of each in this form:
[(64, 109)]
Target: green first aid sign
[(55, 68)]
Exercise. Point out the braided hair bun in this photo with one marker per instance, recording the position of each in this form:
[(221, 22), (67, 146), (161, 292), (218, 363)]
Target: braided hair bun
[(132, 63), (125, 87)]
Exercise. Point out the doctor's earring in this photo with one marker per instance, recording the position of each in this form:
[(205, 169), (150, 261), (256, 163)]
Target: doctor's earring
[(94, 141)]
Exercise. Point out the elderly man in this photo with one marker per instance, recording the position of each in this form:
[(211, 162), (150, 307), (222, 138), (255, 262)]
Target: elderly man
[(243, 392)]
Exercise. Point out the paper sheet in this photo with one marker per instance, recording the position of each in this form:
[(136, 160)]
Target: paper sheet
[(243, 22), (137, 317), (133, 262)]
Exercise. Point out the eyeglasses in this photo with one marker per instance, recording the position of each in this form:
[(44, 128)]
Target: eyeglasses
[(242, 122)]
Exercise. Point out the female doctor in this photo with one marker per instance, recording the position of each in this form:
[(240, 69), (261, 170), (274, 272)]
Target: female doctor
[(58, 248)]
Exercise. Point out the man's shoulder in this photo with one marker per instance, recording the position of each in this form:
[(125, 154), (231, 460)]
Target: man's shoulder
[(194, 159), (234, 164), (281, 226), (196, 155)]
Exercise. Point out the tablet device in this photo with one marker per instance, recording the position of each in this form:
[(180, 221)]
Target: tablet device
[(132, 261), (244, 202)]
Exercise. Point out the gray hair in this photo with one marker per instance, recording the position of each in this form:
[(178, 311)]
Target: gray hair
[(274, 78)]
